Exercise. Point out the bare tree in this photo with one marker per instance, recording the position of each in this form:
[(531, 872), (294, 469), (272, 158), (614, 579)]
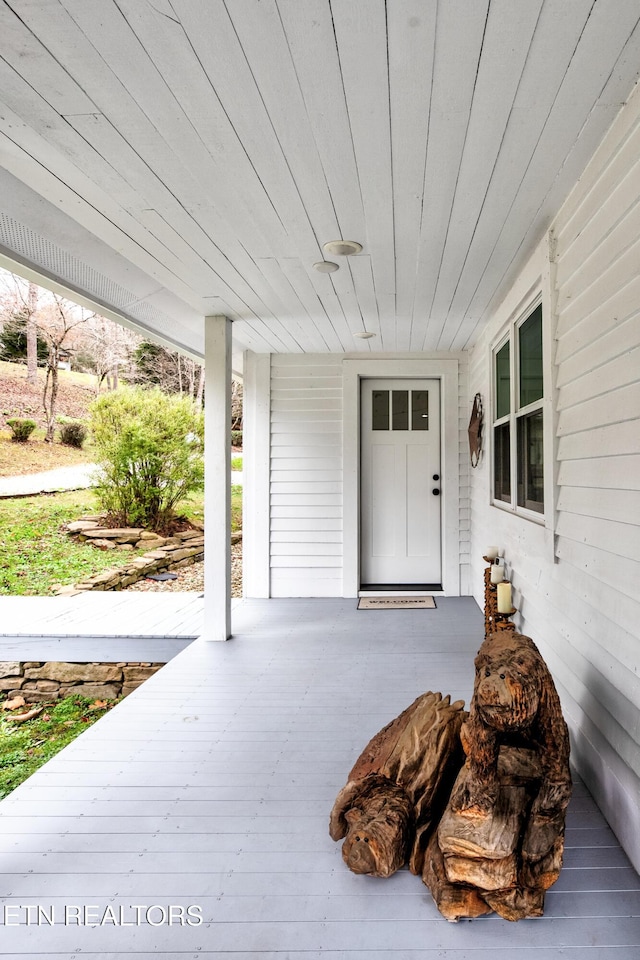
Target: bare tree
[(104, 349), (63, 318), (236, 405), (19, 303), (168, 369), (32, 333)]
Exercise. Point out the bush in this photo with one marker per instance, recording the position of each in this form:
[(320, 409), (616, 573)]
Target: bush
[(21, 429), (73, 434), (236, 438), (149, 446)]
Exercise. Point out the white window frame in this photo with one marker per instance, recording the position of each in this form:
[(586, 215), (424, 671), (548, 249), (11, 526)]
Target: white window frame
[(510, 334)]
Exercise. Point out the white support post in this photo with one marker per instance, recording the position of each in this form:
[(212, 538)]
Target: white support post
[(217, 484)]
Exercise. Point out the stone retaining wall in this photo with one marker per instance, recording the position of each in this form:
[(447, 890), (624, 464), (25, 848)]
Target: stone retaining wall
[(37, 681), (161, 554)]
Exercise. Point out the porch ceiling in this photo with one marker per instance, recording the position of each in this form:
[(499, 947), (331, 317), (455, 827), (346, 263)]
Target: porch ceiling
[(177, 158)]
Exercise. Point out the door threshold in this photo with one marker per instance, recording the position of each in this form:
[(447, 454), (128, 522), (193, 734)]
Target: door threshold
[(389, 590)]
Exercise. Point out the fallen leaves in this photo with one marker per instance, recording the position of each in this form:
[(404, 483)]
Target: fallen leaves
[(29, 715), (14, 703)]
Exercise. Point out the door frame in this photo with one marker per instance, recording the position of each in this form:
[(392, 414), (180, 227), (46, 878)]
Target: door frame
[(446, 371)]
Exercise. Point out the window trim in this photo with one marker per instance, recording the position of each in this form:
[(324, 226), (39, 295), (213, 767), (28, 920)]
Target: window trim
[(510, 334)]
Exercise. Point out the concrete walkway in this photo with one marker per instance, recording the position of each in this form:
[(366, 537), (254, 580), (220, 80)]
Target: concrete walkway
[(78, 477)]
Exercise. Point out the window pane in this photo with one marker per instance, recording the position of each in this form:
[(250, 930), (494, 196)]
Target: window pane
[(501, 463), (400, 409), (380, 410), (503, 391), (419, 409), (530, 343), (530, 462)]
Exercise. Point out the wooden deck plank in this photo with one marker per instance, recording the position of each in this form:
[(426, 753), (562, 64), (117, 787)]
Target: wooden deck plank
[(212, 785)]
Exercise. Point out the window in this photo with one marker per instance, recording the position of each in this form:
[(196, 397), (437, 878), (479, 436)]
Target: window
[(382, 401), (518, 422)]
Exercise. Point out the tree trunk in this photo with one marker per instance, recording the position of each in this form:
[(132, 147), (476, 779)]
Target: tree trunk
[(180, 384), (32, 335), (200, 387), (50, 393)]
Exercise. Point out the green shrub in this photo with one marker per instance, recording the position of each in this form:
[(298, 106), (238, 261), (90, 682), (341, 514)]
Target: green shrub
[(73, 434), (236, 438), (149, 446), (21, 429)]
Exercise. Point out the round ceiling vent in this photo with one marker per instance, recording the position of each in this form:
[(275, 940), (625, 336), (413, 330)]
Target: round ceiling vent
[(342, 248)]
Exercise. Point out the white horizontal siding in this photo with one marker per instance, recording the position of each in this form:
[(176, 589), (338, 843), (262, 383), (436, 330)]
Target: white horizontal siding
[(306, 476), (576, 581)]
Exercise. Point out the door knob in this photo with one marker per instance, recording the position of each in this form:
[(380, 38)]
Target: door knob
[(436, 492), (436, 476)]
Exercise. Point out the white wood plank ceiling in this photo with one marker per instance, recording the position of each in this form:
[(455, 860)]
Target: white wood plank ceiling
[(180, 158)]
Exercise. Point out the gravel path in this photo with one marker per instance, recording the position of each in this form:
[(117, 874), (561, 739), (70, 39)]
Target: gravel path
[(191, 579)]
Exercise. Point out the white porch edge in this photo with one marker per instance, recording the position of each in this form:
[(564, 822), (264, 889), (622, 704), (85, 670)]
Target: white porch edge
[(217, 487), (256, 468), (444, 369)]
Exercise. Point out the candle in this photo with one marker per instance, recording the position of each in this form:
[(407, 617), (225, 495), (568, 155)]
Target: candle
[(504, 597), (492, 553), (497, 572)]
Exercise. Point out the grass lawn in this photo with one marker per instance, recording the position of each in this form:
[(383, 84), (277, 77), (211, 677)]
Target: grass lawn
[(35, 455), (37, 552), (26, 746)]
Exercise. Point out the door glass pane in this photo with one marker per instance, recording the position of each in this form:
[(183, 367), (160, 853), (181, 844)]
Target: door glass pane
[(419, 409), (503, 390), (530, 462), (380, 410), (502, 463), (400, 410), (530, 349)]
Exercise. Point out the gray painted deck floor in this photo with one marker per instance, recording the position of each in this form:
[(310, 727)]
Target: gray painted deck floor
[(96, 626), (211, 785)]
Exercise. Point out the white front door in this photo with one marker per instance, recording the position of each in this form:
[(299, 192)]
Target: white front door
[(400, 484)]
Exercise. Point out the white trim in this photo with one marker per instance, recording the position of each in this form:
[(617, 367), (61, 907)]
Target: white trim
[(550, 404), (256, 467), (445, 370), (217, 488)]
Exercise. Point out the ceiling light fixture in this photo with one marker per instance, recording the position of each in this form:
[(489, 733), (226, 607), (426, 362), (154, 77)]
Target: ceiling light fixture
[(326, 266), (342, 248), (364, 335)]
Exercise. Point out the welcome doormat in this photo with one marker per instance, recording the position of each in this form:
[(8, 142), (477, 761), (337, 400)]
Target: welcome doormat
[(396, 603)]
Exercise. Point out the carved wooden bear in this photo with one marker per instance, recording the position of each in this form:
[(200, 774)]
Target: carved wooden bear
[(398, 788)]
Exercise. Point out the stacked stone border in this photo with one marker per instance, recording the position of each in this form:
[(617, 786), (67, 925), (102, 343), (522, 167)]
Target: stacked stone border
[(37, 680), (161, 553)]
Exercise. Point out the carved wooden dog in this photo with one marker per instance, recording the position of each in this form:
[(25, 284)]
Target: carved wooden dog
[(514, 703), (398, 787), (502, 835)]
